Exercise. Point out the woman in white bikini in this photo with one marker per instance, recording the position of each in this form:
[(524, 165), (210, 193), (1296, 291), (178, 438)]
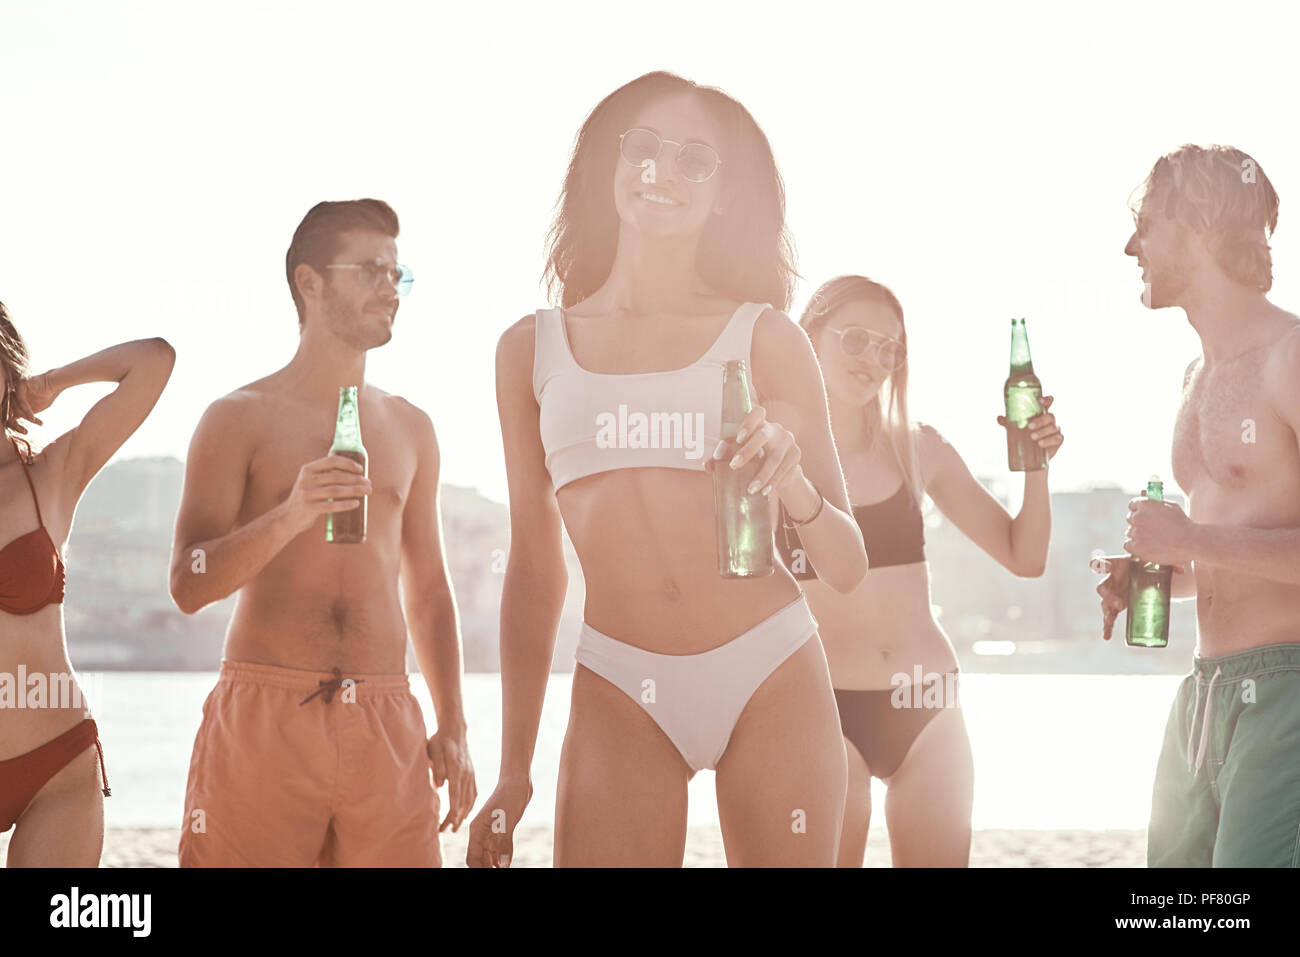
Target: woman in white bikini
[(882, 634), (670, 253)]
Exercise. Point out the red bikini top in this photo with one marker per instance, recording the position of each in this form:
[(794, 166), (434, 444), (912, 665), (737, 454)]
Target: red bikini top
[(31, 569)]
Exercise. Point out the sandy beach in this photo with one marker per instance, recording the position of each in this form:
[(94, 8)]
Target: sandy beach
[(156, 847)]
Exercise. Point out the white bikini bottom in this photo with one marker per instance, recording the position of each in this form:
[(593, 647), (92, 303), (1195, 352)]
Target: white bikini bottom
[(697, 699)]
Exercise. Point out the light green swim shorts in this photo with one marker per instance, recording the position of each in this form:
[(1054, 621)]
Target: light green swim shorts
[(1227, 789)]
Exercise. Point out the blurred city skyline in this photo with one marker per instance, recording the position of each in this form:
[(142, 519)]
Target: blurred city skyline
[(979, 162), (120, 615)]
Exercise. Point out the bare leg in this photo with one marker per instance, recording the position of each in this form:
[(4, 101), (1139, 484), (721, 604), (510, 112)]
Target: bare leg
[(928, 804), (857, 810), (621, 800), (64, 824), (781, 781)]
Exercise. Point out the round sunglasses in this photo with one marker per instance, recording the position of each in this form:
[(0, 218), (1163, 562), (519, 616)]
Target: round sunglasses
[(696, 162), (885, 351)]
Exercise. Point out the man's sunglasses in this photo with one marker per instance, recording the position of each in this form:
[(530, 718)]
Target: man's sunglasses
[(372, 273)]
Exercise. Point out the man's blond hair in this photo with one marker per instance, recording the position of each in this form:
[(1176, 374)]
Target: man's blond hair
[(1222, 194)]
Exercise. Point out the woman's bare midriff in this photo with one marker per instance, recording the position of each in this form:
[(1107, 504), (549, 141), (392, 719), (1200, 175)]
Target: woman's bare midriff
[(882, 629), (36, 643), (646, 539)]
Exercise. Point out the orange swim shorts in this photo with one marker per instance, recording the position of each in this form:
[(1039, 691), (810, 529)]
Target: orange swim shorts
[(300, 768)]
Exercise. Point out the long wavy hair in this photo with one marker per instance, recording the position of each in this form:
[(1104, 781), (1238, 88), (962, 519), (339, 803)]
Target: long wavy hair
[(894, 418), (14, 362), (745, 253)]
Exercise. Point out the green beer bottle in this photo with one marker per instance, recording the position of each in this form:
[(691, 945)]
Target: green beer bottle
[(1022, 393), (744, 521), (349, 527), (1149, 591)]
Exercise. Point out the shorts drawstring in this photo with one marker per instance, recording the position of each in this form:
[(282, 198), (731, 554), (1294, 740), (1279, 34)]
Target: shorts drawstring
[(327, 688), (1205, 723), (1196, 706)]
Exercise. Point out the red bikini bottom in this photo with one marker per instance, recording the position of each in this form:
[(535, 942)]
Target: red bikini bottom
[(22, 777)]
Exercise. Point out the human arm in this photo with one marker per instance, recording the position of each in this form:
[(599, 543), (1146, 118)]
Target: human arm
[(1162, 532), (800, 460), (433, 624), (211, 558), (140, 368), (532, 598), (1018, 543), (1114, 587)]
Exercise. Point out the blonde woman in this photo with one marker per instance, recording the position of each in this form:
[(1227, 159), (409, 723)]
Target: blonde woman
[(882, 634)]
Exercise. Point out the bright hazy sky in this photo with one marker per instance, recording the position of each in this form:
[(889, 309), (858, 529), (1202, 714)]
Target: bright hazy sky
[(155, 160)]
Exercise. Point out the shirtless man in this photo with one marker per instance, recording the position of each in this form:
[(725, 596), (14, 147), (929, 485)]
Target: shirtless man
[(1227, 788), (312, 749)]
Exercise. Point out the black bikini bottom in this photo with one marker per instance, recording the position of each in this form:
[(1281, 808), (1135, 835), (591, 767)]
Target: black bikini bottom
[(882, 724)]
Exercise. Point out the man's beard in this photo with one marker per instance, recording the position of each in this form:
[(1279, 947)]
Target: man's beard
[(349, 326), (1168, 284)]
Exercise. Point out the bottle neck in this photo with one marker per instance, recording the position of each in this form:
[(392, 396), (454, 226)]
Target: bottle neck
[(1021, 362), (347, 427), (735, 397)]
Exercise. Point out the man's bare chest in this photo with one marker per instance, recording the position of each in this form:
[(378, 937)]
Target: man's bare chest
[(1226, 432), (281, 451)]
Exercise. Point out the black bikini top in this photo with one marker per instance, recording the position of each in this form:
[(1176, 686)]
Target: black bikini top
[(892, 531)]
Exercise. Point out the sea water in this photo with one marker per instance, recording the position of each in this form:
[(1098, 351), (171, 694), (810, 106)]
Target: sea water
[(1050, 751)]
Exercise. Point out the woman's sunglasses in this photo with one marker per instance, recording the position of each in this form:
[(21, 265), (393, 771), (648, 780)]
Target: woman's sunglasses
[(885, 351), (696, 162)]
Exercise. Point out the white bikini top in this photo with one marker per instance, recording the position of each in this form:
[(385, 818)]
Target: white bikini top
[(592, 421)]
